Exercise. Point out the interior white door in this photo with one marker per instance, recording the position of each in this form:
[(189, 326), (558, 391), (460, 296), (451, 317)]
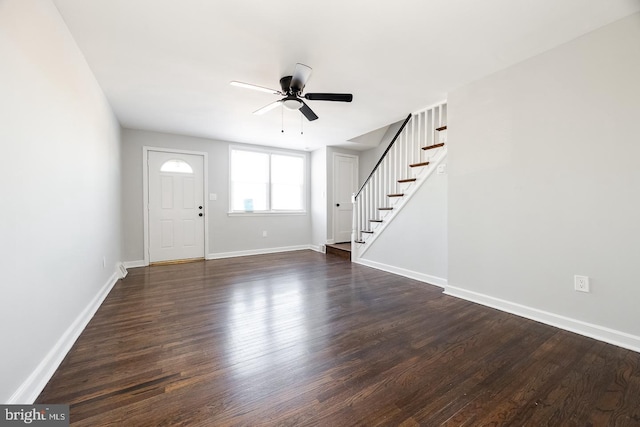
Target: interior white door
[(176, 206), (345, 173)]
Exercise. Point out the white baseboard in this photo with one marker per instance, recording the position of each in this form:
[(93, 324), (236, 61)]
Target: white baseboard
[(319, 248), (30, 389), (134, 264), (601, 333), (121, 270), (263, 251), (431, 280)]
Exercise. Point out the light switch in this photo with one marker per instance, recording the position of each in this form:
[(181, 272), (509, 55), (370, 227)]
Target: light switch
[(441, 169), (213, 196)]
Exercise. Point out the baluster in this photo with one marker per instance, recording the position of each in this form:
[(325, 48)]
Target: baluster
[(437, 124), (376, 201), (423, 138), (387, 177), (363, 210), (416, 141), (363, 207), (362, 213), (366, 207), (354, 216), (382, 184), (394, 171), (406, 159)]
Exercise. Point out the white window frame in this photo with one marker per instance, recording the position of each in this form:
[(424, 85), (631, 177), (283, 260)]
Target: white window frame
[(269, 212)]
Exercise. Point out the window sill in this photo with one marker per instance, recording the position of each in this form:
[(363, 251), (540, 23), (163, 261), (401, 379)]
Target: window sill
[(269, 213)]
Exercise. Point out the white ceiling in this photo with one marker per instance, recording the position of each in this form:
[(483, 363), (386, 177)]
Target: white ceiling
[(165, 65)]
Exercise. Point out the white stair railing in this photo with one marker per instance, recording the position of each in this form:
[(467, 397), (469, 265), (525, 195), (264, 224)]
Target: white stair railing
[(411, 156)]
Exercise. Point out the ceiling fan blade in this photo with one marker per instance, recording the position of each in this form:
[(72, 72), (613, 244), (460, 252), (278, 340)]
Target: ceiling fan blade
[(268, 107), (341, 97), (254, 87), (300, 76), (308, 112)]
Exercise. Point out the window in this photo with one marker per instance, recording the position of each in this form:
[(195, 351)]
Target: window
[(263, 181), (176, 165)]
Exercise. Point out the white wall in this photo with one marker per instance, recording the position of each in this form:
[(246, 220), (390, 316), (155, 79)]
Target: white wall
[(369, 158), (60, 186), (544, 183), (228, 235), (319, 197), (414, 244)]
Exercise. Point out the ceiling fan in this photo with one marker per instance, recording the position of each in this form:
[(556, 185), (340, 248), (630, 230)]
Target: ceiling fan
[(291, 90)]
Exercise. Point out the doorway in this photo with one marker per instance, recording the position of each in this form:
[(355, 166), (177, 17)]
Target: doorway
[(175, 212), (345, 179)]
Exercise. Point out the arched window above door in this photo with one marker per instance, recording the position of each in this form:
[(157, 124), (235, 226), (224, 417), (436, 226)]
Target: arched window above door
[(176, 165)]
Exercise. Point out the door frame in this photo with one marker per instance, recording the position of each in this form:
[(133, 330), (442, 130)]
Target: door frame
[(334, 192), (145, 194)]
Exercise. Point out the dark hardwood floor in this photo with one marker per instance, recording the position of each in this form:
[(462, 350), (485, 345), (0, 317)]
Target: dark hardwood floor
[(305, 339)]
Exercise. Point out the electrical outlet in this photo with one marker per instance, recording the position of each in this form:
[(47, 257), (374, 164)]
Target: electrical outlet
[(581, 283), (264, 233)]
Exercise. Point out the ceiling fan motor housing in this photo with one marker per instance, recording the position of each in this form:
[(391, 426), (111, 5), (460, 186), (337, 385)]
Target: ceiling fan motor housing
[(285, 84)]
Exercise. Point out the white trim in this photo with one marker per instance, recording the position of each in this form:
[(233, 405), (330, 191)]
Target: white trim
[(421, 277), (271, 151), (333, 190), (135, 264), (318, 248), (35, 383), (122, 270), (268, 213), (234, 254), (145, 193), (601, 333)]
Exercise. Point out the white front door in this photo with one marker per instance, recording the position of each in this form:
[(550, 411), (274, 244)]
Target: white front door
[(176, 206), (345, 181)]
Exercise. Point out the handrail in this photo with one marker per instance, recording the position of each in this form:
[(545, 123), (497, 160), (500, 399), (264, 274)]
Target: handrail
[(383, 155)]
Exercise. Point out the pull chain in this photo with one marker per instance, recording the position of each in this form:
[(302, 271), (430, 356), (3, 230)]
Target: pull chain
[(282, 117), (301, 123)]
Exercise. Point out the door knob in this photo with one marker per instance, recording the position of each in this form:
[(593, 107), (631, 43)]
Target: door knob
[(338, 204), (200, 214), (199, 207)]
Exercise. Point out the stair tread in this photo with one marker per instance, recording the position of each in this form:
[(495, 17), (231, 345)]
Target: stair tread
[(407, 180), (429, 147), (415, 165), (360, 241), (366, 231), (375, 220), (395, 195), (442, 128), (385, 209)]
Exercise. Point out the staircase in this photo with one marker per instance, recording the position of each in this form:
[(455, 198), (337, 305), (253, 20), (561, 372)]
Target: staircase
[(411, 157)]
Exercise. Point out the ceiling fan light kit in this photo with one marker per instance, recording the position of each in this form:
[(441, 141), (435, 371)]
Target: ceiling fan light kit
[(292, 87), (292, 103)]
